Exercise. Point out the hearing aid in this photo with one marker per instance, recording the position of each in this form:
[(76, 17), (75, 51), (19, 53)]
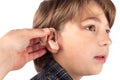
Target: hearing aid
[(53, 39)]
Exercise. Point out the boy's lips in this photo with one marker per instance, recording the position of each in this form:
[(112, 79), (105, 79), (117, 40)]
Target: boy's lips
[(100, 58)]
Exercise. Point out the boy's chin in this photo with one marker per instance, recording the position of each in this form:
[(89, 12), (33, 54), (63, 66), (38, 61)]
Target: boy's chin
[(95, 72)]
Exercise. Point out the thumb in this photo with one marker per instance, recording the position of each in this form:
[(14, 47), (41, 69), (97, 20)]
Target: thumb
[(34, 33)]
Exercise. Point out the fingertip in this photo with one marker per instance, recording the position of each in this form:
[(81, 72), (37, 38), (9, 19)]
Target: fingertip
[(41, 52), (37, 54)]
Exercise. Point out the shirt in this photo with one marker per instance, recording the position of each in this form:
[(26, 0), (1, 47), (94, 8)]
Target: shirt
[(52, 71)]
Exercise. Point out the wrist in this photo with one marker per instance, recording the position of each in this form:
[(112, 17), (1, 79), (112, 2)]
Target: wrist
[(4, 69), (5, 66)]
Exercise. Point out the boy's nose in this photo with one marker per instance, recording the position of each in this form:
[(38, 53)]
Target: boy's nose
[(105, 40)]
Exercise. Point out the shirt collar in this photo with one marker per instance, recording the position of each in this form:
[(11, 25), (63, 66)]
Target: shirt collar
[(55, 69)]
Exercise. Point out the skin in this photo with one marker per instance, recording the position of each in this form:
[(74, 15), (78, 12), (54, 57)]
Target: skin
[(81, 40), (18, 47)]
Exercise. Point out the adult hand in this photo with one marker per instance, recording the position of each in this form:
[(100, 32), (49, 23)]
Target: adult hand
[(18, 47)]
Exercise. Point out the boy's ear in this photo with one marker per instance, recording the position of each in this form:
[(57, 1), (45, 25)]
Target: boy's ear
[(52, 41)]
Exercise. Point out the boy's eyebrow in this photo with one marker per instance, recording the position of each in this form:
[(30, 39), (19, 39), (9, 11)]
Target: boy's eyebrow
[(91, 18)]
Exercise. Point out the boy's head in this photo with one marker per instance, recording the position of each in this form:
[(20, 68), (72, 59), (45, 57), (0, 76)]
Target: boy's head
[(82, 33)]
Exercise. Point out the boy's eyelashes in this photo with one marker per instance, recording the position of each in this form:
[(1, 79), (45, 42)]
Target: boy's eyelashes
[(108, 31), (90, 28)]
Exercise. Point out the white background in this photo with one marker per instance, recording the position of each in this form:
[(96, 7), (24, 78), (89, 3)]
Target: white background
[(16, 14)]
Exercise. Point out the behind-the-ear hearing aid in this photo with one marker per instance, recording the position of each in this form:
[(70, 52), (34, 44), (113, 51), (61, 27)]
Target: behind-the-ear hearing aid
[(52, 41)]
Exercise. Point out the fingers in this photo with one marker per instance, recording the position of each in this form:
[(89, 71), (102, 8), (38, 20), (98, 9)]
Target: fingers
[(36, 54), (34, 48), (34, 41)]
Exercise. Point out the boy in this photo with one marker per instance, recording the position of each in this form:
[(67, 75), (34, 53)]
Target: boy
[(79, 45)]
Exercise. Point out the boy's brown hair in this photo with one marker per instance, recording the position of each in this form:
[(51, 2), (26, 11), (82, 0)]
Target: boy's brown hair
[(54, 13)]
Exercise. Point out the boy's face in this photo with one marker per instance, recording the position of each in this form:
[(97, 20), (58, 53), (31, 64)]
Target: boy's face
[(84, 43)]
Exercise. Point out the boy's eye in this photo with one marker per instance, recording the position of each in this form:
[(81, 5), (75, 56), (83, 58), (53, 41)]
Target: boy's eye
[(108, 31), (91, 28)]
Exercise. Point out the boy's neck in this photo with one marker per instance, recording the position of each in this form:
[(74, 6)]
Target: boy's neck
[(74, 77)]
